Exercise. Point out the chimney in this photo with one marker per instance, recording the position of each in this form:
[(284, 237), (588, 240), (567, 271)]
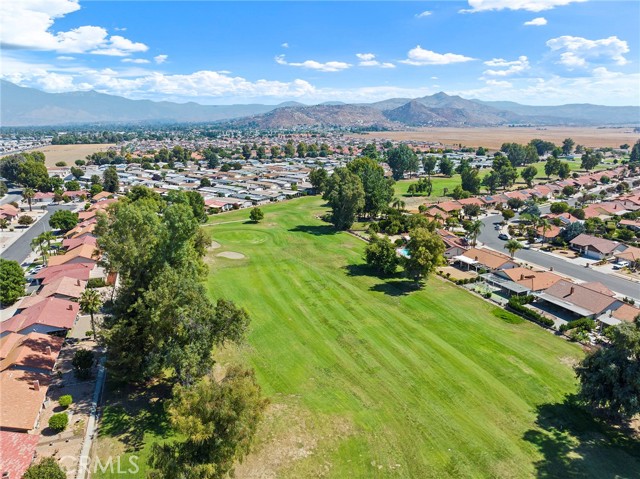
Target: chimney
[(521, 276), (70, 307), (571, 290), (49, 350), (77, 282), (36, 385)]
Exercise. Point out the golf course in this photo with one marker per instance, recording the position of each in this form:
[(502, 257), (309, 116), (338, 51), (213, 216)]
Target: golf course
[(369, 377)]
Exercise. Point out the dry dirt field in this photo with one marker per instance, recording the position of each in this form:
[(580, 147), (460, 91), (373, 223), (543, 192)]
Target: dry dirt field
[(70, 153), (494, 137)]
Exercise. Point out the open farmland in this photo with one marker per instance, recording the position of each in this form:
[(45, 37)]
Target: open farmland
[(369, 378), (70, 153), (493, 138)]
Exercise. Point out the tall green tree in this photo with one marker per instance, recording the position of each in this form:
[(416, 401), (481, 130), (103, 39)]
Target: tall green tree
[(401, 159), (33, 174), (567, 146), (216, 423), (528, 174), (426, 253), (318, 179), (634, 157), (473, 229), (64, 220), (551, 166), (256, 215), (610, 376), (429, 164), (380, 254), (11, 282), (110, 180), (378, 190), (470, 181), (445, 166), (590, 159), (345, 195)]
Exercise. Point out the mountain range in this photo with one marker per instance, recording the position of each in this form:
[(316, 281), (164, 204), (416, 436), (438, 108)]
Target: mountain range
[(21, 106)]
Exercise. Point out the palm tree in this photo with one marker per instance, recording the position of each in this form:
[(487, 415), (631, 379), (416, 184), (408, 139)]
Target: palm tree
[(545, 225), (398, 204), (512, 246), (39, 243), (27, 195), (474, 228), (4, 224), (90, 302)]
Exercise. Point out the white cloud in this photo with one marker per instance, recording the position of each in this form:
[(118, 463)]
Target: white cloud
[(135, 60), (528, 5), (369, 60), (424, 14), (510, 67), (419, 56), (578, 52), (285, 45), (27, 24), (499, 83), (332, 66), (120, 29), (536, 22), (65, 58), (160, 59)]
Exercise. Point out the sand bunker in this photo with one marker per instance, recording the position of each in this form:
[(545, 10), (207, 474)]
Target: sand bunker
[(231, 255), (215, 245)]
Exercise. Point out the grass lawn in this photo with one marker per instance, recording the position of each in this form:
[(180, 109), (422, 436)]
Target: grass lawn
[(368, 378), (442, 182)]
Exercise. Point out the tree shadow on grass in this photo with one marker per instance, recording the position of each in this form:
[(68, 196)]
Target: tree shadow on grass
[(319, 230), (364, 269), (131, 413), (575, 445), (396, 287)]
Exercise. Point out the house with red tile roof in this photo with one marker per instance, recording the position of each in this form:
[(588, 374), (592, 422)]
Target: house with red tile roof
[(8, 212), (63, 287), (32, 352), (18, 451), (23, 394), (71, 243), (74, 270), (532, 280), (85, 253), (43, 315)]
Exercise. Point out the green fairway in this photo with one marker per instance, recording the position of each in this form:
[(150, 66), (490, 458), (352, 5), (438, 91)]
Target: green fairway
[(368, 378)]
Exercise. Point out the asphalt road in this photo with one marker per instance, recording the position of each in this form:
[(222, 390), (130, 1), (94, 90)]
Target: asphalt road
[(21, 248), (14, 194), (489, 236)]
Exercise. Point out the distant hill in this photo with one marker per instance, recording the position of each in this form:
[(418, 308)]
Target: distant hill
[(579, 113), (21, 106), (337, 116), (30, 107), (449, 111)]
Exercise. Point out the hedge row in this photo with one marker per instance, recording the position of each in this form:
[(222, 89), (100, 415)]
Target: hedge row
[(515, 305)]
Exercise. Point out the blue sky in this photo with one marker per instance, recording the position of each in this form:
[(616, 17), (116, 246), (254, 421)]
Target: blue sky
[(530, 51)]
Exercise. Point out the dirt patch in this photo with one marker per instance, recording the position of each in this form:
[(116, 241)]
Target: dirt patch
[(289, 434), (215, 245), (231, 255), (70, 153), (569, 361), (455, 273), (493, 138)]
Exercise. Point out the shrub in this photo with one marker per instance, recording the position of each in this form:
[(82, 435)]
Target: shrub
[(25, 220), (65, 400), (61, 163), (515, 305), (82, 363), (582, 324), (47, 468), (95, 283), (59, 421)]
